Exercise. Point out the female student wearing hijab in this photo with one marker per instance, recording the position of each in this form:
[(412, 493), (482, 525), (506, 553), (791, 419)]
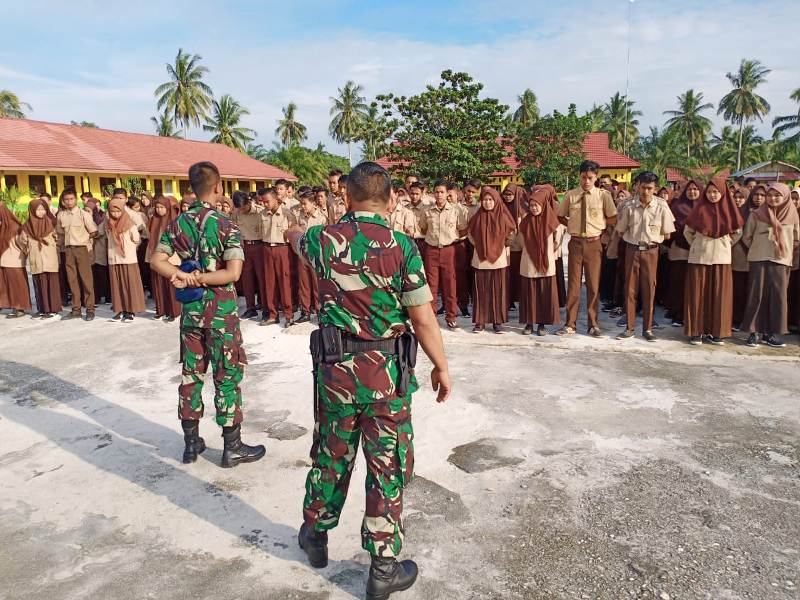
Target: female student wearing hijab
[(491, 230), (772, 232), (516, 201), (678, 254), (14, 291), (38, 243), (739, 264), (165, 209), (100, 276), (793, 294), (539, 235), (127, 293), (708, 301)]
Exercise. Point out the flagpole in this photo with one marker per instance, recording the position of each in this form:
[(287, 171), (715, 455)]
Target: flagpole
[(627, 81)]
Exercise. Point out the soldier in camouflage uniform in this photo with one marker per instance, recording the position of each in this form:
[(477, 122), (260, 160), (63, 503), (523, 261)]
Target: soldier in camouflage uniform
[(209, 328), (371, 283)]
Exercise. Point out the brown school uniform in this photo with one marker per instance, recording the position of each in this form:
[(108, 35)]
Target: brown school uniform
[(740, 268), (100, 274), (708, 295), (253, 269), (277, 276), (403, 220), (14, 290), (43, 263), (127, 292), (163, 291), (793, 293), (142, 222), (441, 227), (306, 277), (74, 231), (418, 211), (463, 259), (586, 214), (767, 307), (539, 290), (643, 229)]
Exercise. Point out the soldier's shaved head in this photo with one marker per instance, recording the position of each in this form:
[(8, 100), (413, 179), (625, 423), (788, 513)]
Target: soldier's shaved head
[(369, 182), (203, 177)]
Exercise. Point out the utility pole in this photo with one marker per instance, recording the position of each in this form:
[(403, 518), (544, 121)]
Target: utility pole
[(627, 81)]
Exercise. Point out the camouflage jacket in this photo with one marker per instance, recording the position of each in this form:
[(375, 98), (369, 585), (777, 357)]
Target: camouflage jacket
[(368, 274), (221, 240)]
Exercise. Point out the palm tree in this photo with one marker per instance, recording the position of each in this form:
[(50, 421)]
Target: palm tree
[(291, 131), (11, 106), (742, 104), (224, 123), (725, 145), (89, 124), (789, 122), (258, 152), (372, 134), (596, 117), (185, 95), (165, 126), (621, 122), (659, 150), (528, 111), (347, 111), (688, 121)]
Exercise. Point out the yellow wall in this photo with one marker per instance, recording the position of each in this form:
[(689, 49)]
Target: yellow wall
[(621, 175)]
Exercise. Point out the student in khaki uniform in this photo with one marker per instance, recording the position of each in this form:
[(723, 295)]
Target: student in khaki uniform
[(337, 205), (74, 232), (516, 200), (539, 234), (14, 291), (165, 210), (100, 276), (463, 255), (308, 216), (586, 211), (277, 292), (418, 209), (739, 264), (793, 294), (38, 242), (442, 225), (138, 214), (772, 233), (644, 224), (678, 254), (248, 218), (709, 229), (491, 231), (321, 198), (122, 233), (399, 217), (470, 203)]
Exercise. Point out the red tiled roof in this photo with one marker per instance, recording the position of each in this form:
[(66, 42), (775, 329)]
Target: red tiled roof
[(596, 148), (673, 175), (39, 146)]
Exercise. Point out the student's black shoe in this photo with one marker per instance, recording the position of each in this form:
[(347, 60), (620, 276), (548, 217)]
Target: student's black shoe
[(668, 315), (774, 341), (315, 545), (38, 315), (752, 340), (696, 340), (236, 451), (249, 313), (512, 306), (440, 311), (303, 318), (388, 575), (541, 330), (168, 319), (89, 315), (528, 329), (596, 332), (625, 334), (74, 314), (127, 317), (464, 311), (677, 323), (498, 328), (607, 306), (15, 314), (715, 340), (266, 322), (117, 317), (649, 336), (452, 324), (478, 328), (195, 445), (48, 315)]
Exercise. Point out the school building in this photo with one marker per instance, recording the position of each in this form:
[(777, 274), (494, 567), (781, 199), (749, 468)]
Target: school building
[(36, 157)]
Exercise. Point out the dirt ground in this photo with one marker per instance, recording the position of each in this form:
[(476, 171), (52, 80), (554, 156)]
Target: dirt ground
[(560, 468)]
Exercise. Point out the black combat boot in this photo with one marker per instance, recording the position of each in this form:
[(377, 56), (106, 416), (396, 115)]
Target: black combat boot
[(387, 575), (194, 443), (315, 545), (236, 451)]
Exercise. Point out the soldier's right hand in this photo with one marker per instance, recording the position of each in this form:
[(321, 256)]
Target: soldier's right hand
[(440, 380)]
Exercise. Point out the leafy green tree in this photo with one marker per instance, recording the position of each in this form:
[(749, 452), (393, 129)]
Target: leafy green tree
[(88, 124), (373, 131), (528, 110), (688, 121), (621, 122), (185, 95), (787, 123), (660, 149), (347, 111), (226, 114), (596, 118), (310, 166), (742, 104), (165, 126), (448, 130), (11, 106), (725, 146), (258, 152), (551, 149), (290, 131)]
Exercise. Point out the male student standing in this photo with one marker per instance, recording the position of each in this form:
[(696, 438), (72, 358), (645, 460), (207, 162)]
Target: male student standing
[(74, 231), (644, 224), (275, 220), (586, 211), (248, 218)]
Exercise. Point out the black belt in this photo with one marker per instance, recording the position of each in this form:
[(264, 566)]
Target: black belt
[(643, 247), (76, 246), (353, 344), (252, 241)]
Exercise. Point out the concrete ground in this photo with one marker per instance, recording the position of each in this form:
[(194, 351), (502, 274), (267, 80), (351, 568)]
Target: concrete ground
[(560, 468)]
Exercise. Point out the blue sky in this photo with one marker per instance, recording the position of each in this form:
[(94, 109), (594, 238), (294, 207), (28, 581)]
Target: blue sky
[(101, 61)]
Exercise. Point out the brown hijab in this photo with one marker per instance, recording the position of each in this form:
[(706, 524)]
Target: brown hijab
[(776, 216), (746, 207), (119, 227), (536, 229), (38, 228), (489, 228), (9, 227), (715, 219), (519, 205), (158, 224), (97, 212)]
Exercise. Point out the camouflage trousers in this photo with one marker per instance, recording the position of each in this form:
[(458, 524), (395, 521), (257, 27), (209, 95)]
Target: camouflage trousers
[(222, 349), (387, 435)]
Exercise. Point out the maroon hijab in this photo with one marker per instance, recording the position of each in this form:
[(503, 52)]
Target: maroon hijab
[(777, 216), (9, 227), (489, 228), (715, 219), (38, 228), (158, 224), (519, 205), (536, 229)]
